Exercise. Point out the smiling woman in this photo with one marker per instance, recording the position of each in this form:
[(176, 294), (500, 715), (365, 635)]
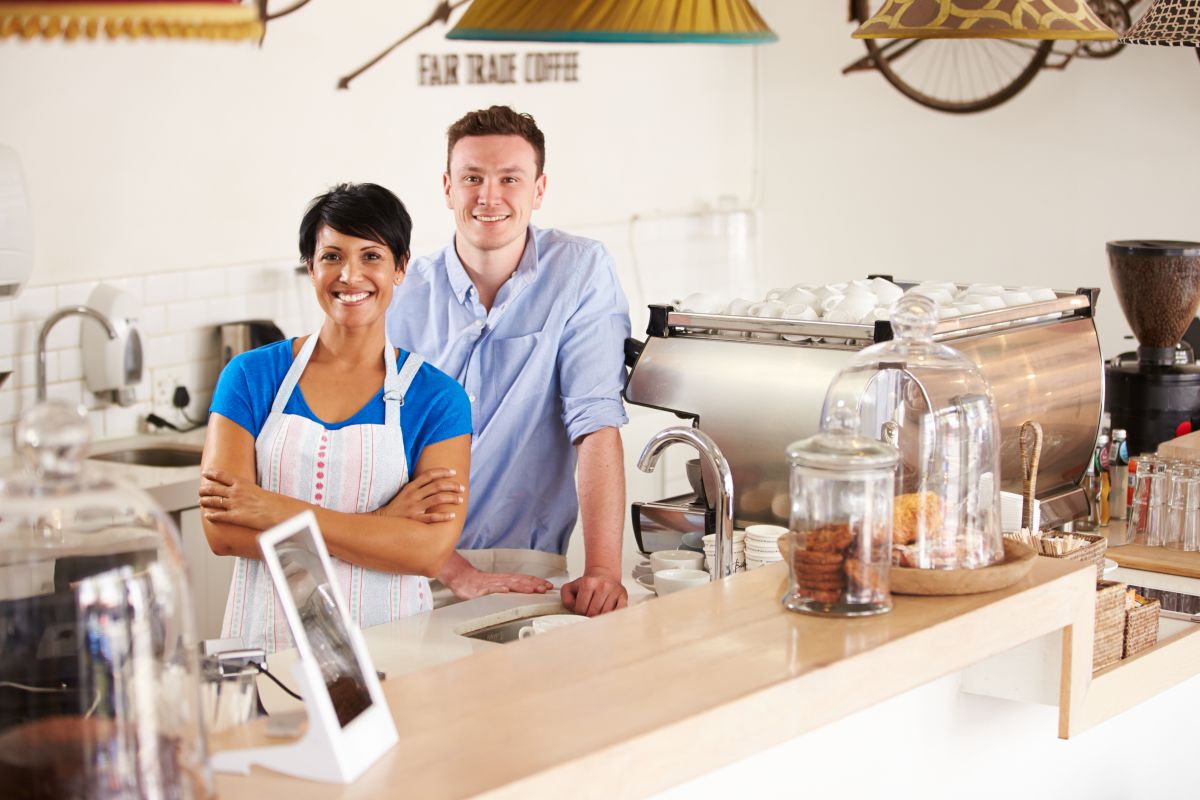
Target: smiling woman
[(316, 423)]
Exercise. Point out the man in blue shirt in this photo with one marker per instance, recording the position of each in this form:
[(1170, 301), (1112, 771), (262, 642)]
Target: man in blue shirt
[(532, 323)]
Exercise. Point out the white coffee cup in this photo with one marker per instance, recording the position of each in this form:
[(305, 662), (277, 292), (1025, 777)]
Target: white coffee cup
[(878, 313), (801, 312), (825, 292), (701, 303), (775, 293), (965, 308), (983, 288), (886, 291), (669, 581), (851, 308), (548, 622), (989, 302), (1015, 297), (739, 307), (938, 295), (948, 312), (676, 559), (769, 309), (798, 296), (1039, 293)]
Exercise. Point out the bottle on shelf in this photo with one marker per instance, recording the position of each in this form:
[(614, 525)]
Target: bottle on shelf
[(1100, 456), (1118, 471)]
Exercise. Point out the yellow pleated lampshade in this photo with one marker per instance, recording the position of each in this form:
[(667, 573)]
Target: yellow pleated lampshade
[(195, 19), (653, 21), (985, 19)]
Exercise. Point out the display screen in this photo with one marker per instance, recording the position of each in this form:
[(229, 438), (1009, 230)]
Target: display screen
[(323, 625)]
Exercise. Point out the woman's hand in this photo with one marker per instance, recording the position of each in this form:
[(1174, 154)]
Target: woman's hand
[(232, 500), (427, 490)]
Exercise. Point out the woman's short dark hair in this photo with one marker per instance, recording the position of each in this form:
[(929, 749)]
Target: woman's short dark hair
[(363, 210)]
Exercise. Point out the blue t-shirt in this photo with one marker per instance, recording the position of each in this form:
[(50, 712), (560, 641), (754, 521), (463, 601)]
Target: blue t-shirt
[(435, 406)]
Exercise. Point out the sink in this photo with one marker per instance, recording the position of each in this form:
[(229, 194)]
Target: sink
[(508, 630), (153, 456), (501, 633)]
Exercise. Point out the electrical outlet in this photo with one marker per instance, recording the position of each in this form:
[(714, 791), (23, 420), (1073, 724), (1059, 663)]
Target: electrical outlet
[(164, 389)]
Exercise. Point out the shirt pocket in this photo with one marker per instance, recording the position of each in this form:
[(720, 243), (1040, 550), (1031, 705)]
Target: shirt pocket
[(518, 368)]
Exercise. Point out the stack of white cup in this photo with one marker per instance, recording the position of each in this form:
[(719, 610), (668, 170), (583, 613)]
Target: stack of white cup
[(861, 301), (739, 552), (762, 545)]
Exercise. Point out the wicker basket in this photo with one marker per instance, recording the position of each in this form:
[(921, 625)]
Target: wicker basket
[(1108, 643), (1092, 553), (1141, 628)]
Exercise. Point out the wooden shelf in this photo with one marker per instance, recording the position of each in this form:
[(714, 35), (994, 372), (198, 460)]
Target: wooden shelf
[(1133, 681)]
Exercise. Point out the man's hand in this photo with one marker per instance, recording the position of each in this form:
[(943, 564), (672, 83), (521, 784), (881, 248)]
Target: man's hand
[(240, 501), (427, 490), (597, 592), (467, 583)]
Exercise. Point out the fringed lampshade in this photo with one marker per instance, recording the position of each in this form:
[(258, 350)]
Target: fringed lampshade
[(1169, 22), (197, 19), (985, 19), (649, 21)]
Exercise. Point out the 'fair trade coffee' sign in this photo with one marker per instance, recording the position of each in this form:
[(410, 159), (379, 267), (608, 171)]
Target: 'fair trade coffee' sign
[(455, 69)]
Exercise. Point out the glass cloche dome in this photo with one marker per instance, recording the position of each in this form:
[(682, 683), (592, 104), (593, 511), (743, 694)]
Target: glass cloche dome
[(99, 692), (935, 406)]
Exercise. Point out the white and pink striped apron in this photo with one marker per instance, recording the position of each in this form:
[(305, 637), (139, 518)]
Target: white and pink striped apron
[(355, 469)]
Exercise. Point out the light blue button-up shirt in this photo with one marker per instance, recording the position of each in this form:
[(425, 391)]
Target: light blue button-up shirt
[(542, 369)]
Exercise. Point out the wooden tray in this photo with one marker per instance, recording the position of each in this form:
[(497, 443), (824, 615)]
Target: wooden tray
[(1018, 560)]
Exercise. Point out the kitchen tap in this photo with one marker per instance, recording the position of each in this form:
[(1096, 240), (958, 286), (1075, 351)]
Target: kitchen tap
[(721, 504), (54, 319)]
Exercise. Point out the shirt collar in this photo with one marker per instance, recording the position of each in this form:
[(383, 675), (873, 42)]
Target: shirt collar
[(460, 281)]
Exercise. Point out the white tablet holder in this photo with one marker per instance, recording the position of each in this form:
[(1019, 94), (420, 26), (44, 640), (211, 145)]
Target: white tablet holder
[(349, 724)]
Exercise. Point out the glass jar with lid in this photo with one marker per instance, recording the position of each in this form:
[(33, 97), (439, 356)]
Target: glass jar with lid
[(99, 691), (839, 546), (935, 405)]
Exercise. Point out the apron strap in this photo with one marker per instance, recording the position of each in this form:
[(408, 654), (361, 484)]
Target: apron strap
[(293, 375), (396, 385)]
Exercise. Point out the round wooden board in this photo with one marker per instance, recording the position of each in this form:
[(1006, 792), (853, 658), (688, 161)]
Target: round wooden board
[(1018, 560)]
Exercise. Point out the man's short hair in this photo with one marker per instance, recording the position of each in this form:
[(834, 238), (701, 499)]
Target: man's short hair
[(498, 121)]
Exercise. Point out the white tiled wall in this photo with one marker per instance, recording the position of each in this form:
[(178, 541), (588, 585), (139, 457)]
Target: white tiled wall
[(657, 259), (180, 312)]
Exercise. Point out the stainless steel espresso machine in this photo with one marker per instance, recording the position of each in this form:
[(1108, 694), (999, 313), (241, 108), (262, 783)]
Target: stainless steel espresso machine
[(755, 385)]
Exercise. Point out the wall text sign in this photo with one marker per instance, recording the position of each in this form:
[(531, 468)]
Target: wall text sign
[(454, 69)]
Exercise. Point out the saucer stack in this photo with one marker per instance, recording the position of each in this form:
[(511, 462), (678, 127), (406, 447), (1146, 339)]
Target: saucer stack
[(762, 546), (739, 551)]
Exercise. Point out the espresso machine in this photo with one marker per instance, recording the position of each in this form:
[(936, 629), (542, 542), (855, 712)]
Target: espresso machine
[(1155, 395), (756, 384)]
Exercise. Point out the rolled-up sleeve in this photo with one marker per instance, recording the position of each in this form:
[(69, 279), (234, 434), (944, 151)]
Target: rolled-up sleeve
[(591, 356)]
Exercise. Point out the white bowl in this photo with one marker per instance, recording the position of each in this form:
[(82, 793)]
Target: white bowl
[(676, 559), (765, 533), (668, 581)]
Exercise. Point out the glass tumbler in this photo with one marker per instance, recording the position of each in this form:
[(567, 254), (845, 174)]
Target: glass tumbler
[(1139, 517), (1156, 504), (1180, 479), (839, 547)]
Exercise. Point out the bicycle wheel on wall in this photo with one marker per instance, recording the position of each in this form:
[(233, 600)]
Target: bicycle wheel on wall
[(958, 75)]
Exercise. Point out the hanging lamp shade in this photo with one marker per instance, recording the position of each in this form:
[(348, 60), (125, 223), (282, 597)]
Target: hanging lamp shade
[(1169, 22), (647, 21), (985, 19), (72, 19)]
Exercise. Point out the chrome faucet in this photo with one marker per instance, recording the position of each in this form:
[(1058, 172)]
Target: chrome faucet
[(722, 504), (54, 319)]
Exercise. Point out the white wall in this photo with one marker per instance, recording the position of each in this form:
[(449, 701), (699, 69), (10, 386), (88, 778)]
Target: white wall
[(147, 157), (857, 178)]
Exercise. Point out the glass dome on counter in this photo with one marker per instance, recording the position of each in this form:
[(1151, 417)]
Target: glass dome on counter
[(935, 406), (99, 692)]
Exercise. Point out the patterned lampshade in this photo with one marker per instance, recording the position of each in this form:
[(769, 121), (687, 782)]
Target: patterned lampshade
[(985, 19), (1170, 22), (651, 21), (71, 19)]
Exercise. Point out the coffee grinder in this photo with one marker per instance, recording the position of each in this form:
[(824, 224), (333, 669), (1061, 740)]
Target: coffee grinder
[(1157, 396)]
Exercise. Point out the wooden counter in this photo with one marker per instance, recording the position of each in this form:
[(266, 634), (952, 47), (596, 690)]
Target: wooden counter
[(651, 696)]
